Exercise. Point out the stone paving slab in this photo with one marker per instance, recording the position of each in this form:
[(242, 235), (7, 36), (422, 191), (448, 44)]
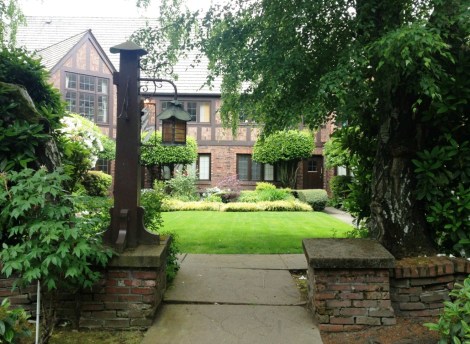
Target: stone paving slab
[(232, 324), (201, 284), (237, 261), (294, 261)]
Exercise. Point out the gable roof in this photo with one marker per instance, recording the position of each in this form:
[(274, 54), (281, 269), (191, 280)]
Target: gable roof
[(52, 37)]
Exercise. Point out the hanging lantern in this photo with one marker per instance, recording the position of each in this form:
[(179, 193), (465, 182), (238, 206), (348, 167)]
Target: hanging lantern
[(174, 121)]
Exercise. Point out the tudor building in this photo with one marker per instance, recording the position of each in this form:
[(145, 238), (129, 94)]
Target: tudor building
[(76, 52)]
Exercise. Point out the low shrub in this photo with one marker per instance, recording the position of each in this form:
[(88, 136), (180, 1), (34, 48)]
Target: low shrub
[(152, 202), (14, 324), (183, 186), (97, 183), (316, 198), (265, 194), (264, 186), (290, 205), (339, 186), (248, 196), (178, 205), (229, 196), (213, 198), (454, 323), (172, 262)]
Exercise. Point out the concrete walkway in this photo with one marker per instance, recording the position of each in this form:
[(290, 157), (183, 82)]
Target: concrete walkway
[(234, 299), (340, 215)]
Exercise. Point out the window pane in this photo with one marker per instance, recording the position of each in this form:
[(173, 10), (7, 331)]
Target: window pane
[(166, 172), (191, 108), (70, 80), (87, 83), (312, 166), (256, 169), (204, 167), (102, 165), (242, 166), (102, 109), (165, 104), (102, 116), (268, 172), (87, 106), (204, 112), (103, 85), (71, 99)]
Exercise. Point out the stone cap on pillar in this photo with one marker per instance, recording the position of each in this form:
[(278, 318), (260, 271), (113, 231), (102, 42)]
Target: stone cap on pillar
[(347, 254), (128, 46)]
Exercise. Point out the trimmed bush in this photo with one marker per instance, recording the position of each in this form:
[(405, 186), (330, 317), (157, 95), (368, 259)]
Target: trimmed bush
[(339, 186), (316, 198), (97, 183), (264, 186), (265, 194), (290, 205), (152, 202)]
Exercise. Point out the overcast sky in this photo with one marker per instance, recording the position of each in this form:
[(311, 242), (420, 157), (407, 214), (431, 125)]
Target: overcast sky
[(96, 8)]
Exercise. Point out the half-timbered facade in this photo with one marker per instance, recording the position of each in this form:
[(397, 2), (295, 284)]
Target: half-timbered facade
[(76, 52)]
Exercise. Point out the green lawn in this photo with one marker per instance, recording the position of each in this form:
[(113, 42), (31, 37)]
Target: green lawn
[(253, 232)]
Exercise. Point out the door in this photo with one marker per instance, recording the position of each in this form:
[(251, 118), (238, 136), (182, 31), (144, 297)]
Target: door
[(313, 172)]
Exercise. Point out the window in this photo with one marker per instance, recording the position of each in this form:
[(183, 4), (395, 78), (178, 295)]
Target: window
[(102, 165), (312, 166), (204, 166), (250, 170), (200, 111), (87, 95)]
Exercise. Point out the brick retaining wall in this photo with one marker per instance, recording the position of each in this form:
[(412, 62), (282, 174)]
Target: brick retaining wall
[(351, 287), (126, 297), (419, 286)]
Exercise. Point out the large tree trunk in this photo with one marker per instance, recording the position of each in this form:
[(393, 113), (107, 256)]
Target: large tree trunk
[(397, 217)]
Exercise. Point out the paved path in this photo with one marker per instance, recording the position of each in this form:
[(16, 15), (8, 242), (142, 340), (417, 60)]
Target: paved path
[(234, 299), (340, 215)]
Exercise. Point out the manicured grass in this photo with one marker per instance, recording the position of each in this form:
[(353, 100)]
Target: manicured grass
[(250, 232)]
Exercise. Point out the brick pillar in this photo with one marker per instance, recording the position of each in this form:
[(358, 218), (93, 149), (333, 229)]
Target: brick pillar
[(348, 282)]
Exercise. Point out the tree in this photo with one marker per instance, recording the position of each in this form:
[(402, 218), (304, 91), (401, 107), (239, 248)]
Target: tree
[(156, 155), (284, 149), (397, 70), (11, 17)]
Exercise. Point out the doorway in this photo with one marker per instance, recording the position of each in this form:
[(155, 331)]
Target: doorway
[(313, 172)]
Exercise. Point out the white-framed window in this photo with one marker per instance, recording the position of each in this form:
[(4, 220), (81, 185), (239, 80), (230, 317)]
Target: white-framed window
[(200, 111), (87, 95)]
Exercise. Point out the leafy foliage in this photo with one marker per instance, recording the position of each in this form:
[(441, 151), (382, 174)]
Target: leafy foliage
[(339, 186), (286, 205), (316, 198), (265, 192), (97, 183), (285, 149), (61, 246), (151, 200), (155, 154), (453, 324), (14, 324), (11, 17), (82, 144), (183, 186), (18, 66), (443, 175)]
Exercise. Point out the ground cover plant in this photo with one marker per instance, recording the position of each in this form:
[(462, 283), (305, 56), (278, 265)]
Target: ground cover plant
[(250, 233)]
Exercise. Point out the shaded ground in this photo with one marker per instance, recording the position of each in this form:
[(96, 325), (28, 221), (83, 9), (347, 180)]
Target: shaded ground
[(96, 337), (406, 331)]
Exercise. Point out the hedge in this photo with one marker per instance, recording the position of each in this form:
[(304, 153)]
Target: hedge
[(316, 198)]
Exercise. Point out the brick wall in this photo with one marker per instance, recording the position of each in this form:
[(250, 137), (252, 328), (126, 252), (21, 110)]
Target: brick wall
[(350, 299), (126, 297), (419, 286), (123, 298)]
